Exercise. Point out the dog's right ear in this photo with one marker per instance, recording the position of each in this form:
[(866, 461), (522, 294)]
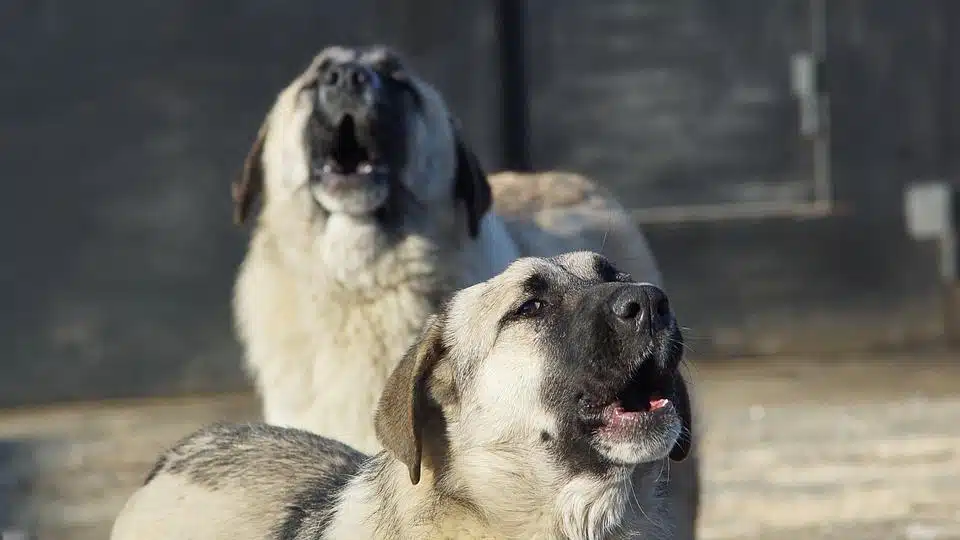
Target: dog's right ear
[(471, 185), (401, 412), (249, 186)]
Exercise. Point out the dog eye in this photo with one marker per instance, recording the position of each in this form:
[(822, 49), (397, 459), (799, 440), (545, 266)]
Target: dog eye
[(531, 307)]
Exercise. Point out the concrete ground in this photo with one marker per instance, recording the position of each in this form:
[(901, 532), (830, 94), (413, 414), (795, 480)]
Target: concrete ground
[(851, 448)]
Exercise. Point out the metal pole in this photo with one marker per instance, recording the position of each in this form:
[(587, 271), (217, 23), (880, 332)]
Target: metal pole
[(514, 97)]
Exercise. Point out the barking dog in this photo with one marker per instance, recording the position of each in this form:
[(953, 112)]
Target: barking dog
[(374, 209), (542, 403)]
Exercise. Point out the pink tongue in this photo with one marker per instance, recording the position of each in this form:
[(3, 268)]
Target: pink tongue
[(658, 404)]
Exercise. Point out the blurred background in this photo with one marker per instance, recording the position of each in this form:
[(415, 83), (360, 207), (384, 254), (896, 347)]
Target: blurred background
[(795, 164)]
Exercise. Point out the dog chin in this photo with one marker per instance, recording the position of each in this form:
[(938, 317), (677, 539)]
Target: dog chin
[(354, 202), (633, 445)]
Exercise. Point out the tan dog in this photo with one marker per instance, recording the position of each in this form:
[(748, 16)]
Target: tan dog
[(374, 210), (542, 403)]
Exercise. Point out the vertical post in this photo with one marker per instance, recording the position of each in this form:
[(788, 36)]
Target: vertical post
[(955, 218), (822, 158), (939, 26), (952, 287), (514, 98), (949, 111)]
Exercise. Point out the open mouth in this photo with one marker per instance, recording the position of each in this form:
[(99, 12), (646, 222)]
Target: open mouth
[(351, 153), (645, 396), (348, 176)]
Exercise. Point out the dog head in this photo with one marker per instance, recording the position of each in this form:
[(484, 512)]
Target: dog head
[(566, 360), (357, 134)]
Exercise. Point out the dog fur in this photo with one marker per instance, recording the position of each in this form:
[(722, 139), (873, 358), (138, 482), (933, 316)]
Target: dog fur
[(491, 424), (327, 301)]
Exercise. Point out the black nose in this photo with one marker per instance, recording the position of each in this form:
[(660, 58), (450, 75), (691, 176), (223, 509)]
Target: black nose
[(350, 78), (643, 305)]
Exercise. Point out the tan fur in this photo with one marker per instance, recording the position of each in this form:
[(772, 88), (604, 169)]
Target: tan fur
[(324, 309), (462, 420), (547, 512), (553, 212)]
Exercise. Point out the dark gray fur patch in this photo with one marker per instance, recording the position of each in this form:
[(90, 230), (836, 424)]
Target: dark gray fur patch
[(157, 467), (222, 454), (312, 510)]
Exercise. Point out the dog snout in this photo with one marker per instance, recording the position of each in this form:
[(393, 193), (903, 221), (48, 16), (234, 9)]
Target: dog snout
[(643, 306), (349, 79)]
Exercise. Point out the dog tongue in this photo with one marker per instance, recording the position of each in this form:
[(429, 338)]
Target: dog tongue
[(658, 404)]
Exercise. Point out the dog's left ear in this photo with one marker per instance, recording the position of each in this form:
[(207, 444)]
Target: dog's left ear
[(403, 407), (471, 185), (249, 186), (681, 448)]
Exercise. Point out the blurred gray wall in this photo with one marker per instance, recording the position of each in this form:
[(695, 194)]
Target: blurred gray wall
[(122, 124), (691, 103)]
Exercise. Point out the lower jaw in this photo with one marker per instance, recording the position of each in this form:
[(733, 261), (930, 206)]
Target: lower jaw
[(354, 203), (622, 426), (626, 429)]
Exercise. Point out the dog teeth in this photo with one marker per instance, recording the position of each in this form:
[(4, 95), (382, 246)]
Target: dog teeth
[(658, 404), (327, 168), (365, 168)]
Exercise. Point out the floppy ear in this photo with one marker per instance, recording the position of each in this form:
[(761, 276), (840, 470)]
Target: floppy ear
[(471, 184), (401, 412), (249, 186), (684, 442)]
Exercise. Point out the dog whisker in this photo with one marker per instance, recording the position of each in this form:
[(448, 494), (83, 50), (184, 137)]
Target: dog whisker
[(656, 523), (664, 466), (606, 231)]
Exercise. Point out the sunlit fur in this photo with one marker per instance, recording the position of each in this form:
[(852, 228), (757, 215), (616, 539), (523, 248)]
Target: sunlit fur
[(496, 460), (487, 474), (325, 303)]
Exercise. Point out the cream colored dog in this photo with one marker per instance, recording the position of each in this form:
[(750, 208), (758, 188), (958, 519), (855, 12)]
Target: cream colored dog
[(375, 209), (542, 403)]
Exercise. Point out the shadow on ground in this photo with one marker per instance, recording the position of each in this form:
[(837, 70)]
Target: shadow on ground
[(18, 468)]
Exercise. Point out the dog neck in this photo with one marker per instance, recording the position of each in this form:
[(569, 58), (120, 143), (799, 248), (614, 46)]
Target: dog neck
[(499, 501), (357, 254), (307, 298), (350, 254)]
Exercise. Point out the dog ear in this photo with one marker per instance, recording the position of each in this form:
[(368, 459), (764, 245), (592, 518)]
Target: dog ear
[(249, 186), (471, 185), (401, 412), (681, 449)]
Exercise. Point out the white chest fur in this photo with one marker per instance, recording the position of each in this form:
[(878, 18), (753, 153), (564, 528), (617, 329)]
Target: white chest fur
[(321, 351)]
